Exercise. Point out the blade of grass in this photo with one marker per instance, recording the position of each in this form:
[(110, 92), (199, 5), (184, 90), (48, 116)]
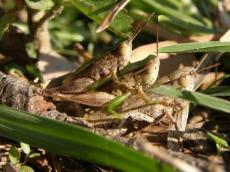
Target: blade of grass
[(183, 27), (212, 46), (218, 140), (170, 11), (69, 140), (136, 65), (223, 91), (187, 21)]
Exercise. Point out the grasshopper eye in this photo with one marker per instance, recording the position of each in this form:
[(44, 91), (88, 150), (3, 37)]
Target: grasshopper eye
[(193, 73)]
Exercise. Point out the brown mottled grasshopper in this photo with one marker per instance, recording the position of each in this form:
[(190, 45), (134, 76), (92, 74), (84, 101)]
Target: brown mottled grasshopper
[(175, 109), (75, 87), (183, 79), (78, 82)]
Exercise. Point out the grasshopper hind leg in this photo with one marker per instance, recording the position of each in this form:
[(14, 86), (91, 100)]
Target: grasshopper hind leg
[(174, 139)]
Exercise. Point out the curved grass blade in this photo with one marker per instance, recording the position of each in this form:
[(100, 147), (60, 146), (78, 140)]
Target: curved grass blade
[(98, 83), (221, 144), (136, 65), (195, 97), (212, 46), (116, 102), (183, 27), (69, 140), (218, 140)]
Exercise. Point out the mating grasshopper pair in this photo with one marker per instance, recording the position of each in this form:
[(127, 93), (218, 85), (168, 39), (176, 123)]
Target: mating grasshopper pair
[(137, 101)]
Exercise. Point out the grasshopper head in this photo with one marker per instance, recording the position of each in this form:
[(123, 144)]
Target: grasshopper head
[(185, 78), (124, 53), (182, 78)]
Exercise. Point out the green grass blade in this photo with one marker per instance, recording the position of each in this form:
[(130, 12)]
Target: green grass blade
[(182, 16), (183, 27), (212, 46), (137, 65), (69, 140), (218, 140), (223, 91), (116, 102), (195, 97), (165, 10)]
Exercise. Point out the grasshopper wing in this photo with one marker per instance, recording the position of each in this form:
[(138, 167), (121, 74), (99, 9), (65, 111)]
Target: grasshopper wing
[(94, 99)]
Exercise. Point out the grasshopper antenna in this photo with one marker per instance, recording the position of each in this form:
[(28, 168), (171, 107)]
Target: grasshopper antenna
[(202, 61), (209, 67), (157, 35), (197, 69), (140, 26)]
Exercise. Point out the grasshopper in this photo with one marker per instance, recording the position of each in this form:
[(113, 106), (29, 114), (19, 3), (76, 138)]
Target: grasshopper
[(175, 109), (184, 79), (75, 87), (108, 64), (162, 106)]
